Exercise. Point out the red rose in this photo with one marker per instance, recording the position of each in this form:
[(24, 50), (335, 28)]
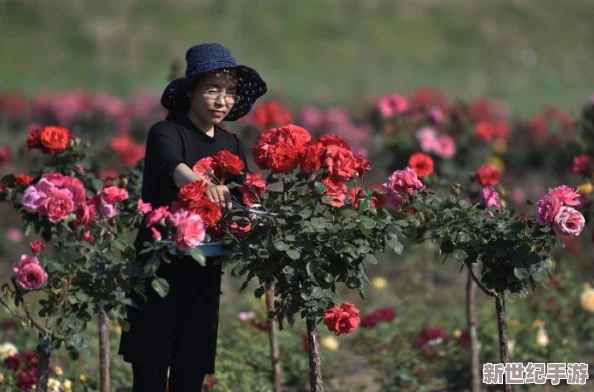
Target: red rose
[(192, 192), (228, 163), (5, 154), (239, 230), (311, 158), (340, 162), (582, 164), (431, 336), (113, 194), (85, 214), (354, 195), (209, 211), (270, 114), (342, 320), (34, 139), (422, 164), (36, 247), (299, 136), (336, 190), (55, 139), (380, 196), (22, 179), (485, 131), (280, 149), (13, 362), (333, 140), (253, 188), (283, 158), (487, 175)]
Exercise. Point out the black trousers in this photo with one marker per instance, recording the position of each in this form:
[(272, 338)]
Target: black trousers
[(179, 330), (154, 379)]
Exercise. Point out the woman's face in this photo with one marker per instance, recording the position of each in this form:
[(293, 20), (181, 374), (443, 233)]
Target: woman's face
[(213, 97)]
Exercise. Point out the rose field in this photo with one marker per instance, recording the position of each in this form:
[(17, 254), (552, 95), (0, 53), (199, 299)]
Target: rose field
[(388, 236), (418, 198)]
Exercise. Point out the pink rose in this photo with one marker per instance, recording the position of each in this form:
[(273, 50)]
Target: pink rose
[(113, 195), (436, 115), (29, 275), (77, 188), (518, 195), (156, 215), (566, 195), (108, 210), (401, 181), (445, 147), (427, 139), (57, 179), (33, 199), (14, 234), (204, 168), (547, 208), (392, 105), (569, 221), (156, 234), (85, 214), (86, 236), (144, 208), (58, 205), (189, 233), (490, 197), (36, 246)]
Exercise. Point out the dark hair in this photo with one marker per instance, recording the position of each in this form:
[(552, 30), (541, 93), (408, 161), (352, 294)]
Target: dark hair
[(183, 106)]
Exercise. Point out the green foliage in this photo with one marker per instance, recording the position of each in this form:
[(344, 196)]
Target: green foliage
[(310, 248)]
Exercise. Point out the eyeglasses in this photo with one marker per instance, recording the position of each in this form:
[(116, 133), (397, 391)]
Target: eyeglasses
[(215, 93)]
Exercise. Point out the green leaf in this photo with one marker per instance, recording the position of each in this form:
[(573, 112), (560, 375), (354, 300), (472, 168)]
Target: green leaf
[(464, 237), (364, 205), (367, 222), (460, 254), (263, 253), (311, 269), (371, 259), (294, 254), (161, 286), (348, 213), (281, 245), (464, 204), (197, 255), (521, 273), (394, 243)]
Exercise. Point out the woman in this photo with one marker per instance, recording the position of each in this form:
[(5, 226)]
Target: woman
[(179, 332)]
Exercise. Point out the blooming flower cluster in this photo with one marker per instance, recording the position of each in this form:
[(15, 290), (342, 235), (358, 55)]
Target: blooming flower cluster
[(557, 209)]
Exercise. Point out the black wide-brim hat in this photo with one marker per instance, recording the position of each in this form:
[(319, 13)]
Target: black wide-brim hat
[(204, 58)]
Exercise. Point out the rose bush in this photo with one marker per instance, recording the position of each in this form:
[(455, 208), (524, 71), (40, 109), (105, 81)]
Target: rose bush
[(84, 262)]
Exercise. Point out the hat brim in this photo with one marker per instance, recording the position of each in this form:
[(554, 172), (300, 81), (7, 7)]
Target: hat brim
[(250, 87)]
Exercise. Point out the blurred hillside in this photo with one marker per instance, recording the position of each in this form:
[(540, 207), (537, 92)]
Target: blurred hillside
[(529, 52)]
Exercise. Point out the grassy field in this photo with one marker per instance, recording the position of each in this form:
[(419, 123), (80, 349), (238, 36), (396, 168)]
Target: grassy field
[(529, 52)]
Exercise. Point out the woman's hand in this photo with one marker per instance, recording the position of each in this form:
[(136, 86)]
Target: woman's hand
[(220, 195)]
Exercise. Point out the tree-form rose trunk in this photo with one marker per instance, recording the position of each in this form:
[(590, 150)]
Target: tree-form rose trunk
[(502, 324), (44, 351), (273, 337), (104, 352), (315, 360), (472, 332)]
